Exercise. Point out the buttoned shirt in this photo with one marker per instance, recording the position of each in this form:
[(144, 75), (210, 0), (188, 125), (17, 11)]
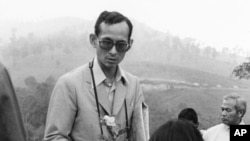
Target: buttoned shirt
[(218, 132), (101, 82)]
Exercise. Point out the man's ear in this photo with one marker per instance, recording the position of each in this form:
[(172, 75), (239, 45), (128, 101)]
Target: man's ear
[(92, 40), (130, 43), (240, 113)]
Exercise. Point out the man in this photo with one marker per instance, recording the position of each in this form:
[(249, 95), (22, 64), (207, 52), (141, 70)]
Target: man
[(190, 115), (99, 100), (233, 109), (11, 124)]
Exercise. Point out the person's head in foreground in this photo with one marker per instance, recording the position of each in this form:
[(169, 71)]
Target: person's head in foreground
[(190, 115), (177, 130)]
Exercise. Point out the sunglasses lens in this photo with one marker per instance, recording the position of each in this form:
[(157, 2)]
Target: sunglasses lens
[(106, 45), (120, 46)]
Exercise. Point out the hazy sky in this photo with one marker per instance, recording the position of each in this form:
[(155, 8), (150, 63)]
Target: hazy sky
[(217, 22)]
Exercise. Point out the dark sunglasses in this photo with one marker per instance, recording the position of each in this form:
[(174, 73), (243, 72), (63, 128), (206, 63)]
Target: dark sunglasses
[(120, 46)]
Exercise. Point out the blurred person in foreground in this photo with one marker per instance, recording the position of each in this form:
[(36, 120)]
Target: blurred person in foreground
[(11, 124), (177, 130), (233, 109), (190, 114), (99, 100)]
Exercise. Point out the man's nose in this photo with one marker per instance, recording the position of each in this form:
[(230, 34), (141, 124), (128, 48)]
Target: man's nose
[(224, 113), (113, 50)]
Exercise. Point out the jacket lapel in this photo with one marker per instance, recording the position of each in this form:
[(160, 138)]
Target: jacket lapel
[(102, 96), (103, 99), (119, 97)]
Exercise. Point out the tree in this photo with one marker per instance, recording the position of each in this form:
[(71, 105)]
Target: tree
[(30, 81), (243, 71)]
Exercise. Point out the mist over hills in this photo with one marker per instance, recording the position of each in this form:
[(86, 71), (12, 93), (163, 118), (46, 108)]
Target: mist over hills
[(39, 28), (65, 40)]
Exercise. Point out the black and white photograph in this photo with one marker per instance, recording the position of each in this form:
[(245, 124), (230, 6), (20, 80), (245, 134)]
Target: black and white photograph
[(123, 70)]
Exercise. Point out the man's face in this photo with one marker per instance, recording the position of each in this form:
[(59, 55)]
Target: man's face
[(117, 33), (230, 116)]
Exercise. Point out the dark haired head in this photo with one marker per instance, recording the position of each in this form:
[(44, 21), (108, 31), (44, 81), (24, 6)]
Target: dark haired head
[(190, 115), (177, 130), (112, 18)]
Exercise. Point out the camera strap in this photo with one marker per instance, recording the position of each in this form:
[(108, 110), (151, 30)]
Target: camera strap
[(91, 64)]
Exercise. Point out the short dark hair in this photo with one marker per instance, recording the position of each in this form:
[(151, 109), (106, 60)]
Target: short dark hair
[(177, 130), (112, 18), (189, 114)]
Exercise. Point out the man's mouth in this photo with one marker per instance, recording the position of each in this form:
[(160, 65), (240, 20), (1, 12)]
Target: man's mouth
[(111, 59), (223, 119)]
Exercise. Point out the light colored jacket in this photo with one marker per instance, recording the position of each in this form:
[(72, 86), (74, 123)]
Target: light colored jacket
[(73, 116)]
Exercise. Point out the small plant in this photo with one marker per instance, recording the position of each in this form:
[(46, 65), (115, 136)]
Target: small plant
[(243, 71)]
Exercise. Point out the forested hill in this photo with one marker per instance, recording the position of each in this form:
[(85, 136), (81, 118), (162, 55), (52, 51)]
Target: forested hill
[(69, 36)]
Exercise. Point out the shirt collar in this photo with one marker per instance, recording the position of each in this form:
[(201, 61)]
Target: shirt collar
[(242, 122), (100, 76), (228, 127)]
